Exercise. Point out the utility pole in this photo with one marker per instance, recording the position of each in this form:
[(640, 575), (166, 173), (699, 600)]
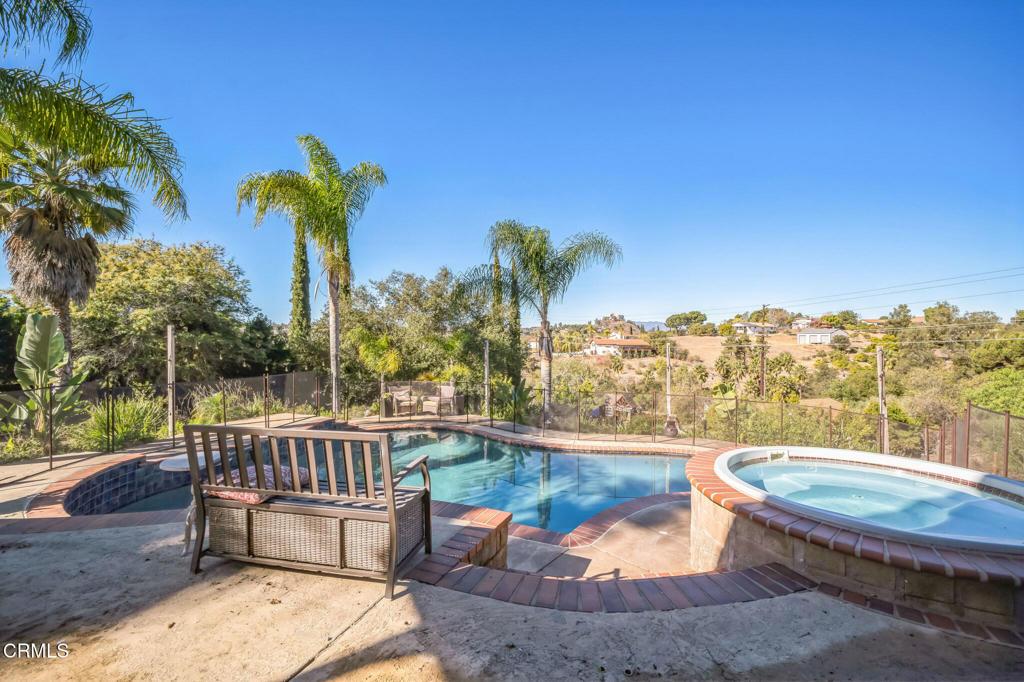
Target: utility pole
[(883, 411), (764, 349), (170, 380), (487, 376)]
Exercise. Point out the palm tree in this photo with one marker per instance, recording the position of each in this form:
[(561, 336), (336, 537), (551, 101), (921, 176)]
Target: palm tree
[(326, 202), (54, 208), (540, 272), (69, 114), (271, 192), (65, 149)]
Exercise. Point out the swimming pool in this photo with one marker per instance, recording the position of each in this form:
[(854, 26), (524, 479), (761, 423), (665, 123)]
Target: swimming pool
[(897, 497), (543, 488)]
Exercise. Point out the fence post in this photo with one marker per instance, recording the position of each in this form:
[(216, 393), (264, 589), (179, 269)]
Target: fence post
[(490, 407), (543, 416), (293, 395), (49, 424), (316, 392), (927, 453), (224, 403), (967, 438), (1006, 445), (830, 426), (412, 410)]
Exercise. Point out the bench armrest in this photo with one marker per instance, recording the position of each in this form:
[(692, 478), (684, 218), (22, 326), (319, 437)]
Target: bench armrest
[(418, 463)]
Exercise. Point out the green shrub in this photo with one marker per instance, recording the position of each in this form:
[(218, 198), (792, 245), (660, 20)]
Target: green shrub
[(136, 419), (229, 400)]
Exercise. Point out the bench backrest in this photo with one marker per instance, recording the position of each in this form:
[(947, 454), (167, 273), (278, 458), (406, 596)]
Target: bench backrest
[(342, 465)]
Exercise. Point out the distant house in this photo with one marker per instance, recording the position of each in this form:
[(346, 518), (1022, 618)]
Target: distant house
[(801, 323), (630, 348), (754, 328), (873, 321), (818, 335)]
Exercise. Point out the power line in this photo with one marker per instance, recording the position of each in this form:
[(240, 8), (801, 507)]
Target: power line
[(928, 300), (880, 290), (850, 295)]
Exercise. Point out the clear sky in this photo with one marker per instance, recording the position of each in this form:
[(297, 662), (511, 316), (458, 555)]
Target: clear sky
[(740, 152)]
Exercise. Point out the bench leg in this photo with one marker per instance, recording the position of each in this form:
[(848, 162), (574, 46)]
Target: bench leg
[(197, 550), (426, 523)]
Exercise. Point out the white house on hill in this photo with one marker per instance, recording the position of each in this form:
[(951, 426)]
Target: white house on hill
[(624, 347), (801, 323), (817, 335)]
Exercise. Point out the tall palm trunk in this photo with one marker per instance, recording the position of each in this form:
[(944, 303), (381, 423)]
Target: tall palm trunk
[(62, 309), (545, 363), (334, 330)]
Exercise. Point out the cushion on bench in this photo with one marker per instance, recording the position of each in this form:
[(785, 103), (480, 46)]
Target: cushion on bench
[(256, 496)]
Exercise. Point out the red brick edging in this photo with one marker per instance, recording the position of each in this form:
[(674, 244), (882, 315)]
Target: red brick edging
[(988, 633)]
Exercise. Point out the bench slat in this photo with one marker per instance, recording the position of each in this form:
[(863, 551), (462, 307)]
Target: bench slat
[(314, 476), (211, 470), (293, 462), (371, 487), (275, 457), (350, 470), (257, 456), (243, 465), (332, 475)]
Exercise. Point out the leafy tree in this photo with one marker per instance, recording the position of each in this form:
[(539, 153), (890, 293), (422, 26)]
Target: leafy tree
[(142, 287), (326, 201), (844, 319), (705, 329), (900, 316), (262, 349), (1001, 390), (544, 272), (681, 321)]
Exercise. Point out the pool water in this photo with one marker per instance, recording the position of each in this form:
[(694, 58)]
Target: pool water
[(891, 498), (176, 498), (552, 490)]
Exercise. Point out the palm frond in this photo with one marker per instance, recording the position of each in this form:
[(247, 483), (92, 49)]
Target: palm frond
[(70, 114), (285, 192), (45, 21), (321, 163)]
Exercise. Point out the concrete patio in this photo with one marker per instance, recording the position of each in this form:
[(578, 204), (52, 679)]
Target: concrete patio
[(126, 605)]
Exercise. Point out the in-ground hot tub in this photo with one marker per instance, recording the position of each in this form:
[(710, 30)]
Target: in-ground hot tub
[(895, 497), (929, 536)]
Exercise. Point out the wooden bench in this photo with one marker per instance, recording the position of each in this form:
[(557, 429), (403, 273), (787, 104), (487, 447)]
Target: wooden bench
[(349, 517)]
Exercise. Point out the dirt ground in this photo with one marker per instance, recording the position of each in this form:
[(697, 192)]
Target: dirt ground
[(124, 602)]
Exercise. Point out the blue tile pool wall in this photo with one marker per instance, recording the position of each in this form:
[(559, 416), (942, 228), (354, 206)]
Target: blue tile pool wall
[(119, 485)]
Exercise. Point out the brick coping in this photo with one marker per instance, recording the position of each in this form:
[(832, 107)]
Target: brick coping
[(452, 566), (988, 633), (936, 559)]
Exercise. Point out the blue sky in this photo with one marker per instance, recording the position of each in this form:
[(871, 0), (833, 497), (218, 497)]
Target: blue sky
[(740, 152)]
